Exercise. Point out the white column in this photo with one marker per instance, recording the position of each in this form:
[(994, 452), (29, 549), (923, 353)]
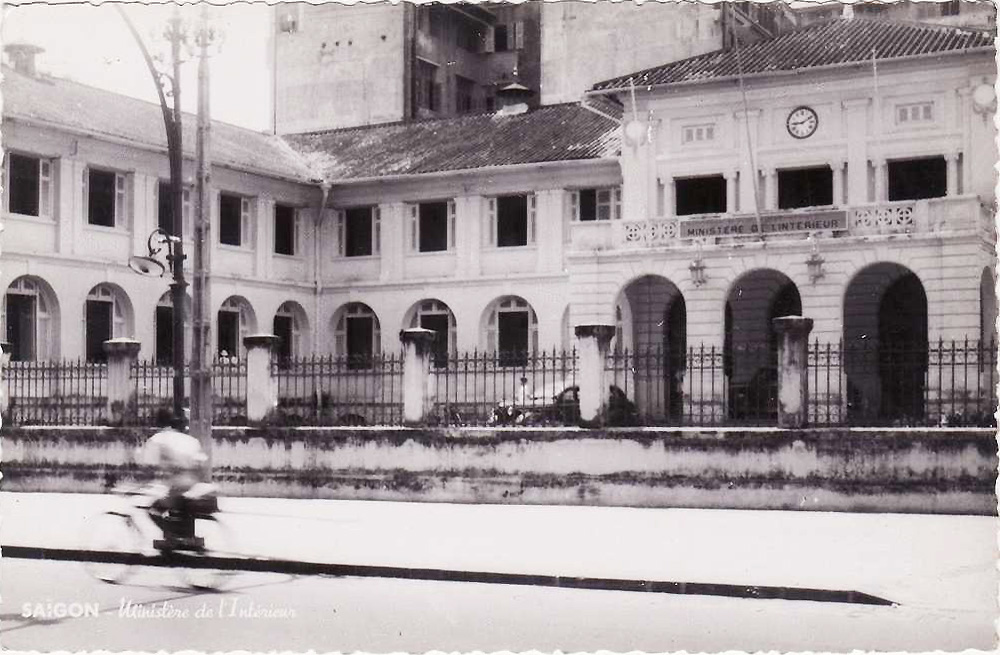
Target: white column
[(592, 349), (747, 173), (417, 401), (550, 224), (264, 238), (771, 189), (262, 387), (952, 185), (881, 179), (393, 247), (838, 182), (856, 115), (468, 240), (730, 192), (121, 392)]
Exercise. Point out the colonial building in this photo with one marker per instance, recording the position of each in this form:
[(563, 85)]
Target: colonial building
[(843, 171)]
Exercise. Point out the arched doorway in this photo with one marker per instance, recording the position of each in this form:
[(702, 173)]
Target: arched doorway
[(750, 345), (650, 347), (31, 318), (885, 345)]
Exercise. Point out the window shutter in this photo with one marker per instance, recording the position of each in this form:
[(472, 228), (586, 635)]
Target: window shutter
[(617, 204), (121, 214), (414, 226), (296, 234), (376, 230), (44, 187), (491, 217), (531, 217), (451, 225), (574, 205), (341, 232), (246, 229), (488, 40), (518, 36)]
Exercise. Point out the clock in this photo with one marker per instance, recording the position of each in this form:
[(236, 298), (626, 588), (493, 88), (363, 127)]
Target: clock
[(802, 122)]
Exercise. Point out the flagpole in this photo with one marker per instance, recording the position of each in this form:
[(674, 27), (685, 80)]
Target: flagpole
[(750, 147)]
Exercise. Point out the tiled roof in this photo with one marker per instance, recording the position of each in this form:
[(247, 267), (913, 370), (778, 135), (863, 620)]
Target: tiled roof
[(74, 105), (839, 41), (547, 134)]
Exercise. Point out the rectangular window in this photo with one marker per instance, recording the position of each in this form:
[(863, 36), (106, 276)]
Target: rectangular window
[(699, 133), (358, 232), (440, 324), (29, 185), (597, 204), (283, 329), (512, 338), (500, 38), (99, 327), (229, 333), (468, 37), (917, 112), (805, 187), (285, 229), (700, 195), (432, 226), (512, 220), (951, 8), (360, 341), (164, 325), (464, 88), (426, 91), (21, 320), (106, 201), (914, 179), (234, 220)]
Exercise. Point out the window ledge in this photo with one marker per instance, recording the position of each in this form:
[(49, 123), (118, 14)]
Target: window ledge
[(294, 258), (530, 246), (431, 253), (236, 249), (106, 230), (28, 218), (355, 258)]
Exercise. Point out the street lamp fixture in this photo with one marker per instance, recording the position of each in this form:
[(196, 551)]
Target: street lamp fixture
[(149, 266)]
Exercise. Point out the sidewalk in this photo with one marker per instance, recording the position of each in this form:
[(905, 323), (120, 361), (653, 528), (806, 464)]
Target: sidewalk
[(927, 561)]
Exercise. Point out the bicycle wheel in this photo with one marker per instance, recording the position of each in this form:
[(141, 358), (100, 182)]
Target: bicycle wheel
[(111, 533), (218, 544)]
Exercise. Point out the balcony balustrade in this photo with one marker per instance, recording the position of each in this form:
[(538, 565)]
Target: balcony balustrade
[(935, 215)]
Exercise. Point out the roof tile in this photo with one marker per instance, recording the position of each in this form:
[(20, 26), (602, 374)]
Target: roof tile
[(838, 41)]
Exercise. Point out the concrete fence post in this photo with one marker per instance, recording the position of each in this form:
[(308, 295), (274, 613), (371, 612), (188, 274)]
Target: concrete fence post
[(793, 378), (417, 350), (593, 342), (121, 352), (262, 387)]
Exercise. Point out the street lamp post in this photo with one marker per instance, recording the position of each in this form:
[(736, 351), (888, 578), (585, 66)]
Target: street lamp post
[(175, 239)]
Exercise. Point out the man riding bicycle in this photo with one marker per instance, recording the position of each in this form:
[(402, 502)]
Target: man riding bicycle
[(178, 458)]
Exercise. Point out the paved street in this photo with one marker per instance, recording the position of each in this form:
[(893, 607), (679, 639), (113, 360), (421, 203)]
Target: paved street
[(939, 569)]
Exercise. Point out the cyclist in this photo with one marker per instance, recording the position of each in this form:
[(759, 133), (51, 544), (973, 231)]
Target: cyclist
[(178, 458)]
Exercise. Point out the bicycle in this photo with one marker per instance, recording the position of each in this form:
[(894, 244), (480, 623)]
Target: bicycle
[(133, 530)]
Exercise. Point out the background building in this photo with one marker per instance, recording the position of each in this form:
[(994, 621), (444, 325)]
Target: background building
[(344, 66)]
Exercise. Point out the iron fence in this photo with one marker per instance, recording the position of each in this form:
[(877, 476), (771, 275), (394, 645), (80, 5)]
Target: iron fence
[(865, 383), (154, 391), (506, 388), (340, 390), (71, 392), (229, 391)]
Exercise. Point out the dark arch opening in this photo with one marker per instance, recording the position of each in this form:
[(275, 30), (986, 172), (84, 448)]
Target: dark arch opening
[(885, 346), (750, 343), (655, 375)]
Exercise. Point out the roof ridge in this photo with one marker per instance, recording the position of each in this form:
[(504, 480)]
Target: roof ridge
[(424, 121)]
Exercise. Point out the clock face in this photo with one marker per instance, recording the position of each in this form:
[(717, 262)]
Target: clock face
[(802, 122)]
